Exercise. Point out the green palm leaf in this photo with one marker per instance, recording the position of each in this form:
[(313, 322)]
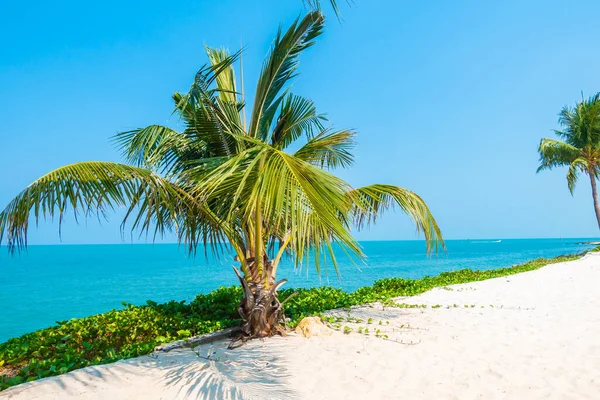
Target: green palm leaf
[(279, 67), (159, 147), (369, 202), (554, 153), (94, 187), (578, 165), (298, 116), (329, 149)]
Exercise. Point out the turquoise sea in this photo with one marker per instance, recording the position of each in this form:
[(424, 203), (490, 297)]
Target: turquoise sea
[(53, 283)]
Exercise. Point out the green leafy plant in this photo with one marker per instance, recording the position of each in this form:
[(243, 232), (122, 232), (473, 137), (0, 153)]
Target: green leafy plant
[(105, 338)]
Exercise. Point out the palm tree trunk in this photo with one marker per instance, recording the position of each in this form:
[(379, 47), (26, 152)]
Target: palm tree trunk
[(260, 308), (595, 196)]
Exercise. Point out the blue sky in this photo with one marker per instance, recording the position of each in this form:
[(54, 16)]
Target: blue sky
[(450, 99)]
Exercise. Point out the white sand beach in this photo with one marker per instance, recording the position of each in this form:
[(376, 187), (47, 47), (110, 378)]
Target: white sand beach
[(533, 335)]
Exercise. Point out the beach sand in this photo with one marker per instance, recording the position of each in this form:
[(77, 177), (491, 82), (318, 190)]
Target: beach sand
[(534, 335)]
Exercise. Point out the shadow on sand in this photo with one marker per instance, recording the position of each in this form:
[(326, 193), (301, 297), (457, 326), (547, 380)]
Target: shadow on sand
[(254, 371), (257, 370)]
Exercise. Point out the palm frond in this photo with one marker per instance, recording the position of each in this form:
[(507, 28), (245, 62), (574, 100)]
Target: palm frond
[(280, 66), (159, 148), (554, 153), (370, 201), (225, 78), (578, 165), (210, 125), (93, 188), (581, 123), (298, 116), (329, 149), (229, 102), (308, 203), (296, 198), (207, 109)]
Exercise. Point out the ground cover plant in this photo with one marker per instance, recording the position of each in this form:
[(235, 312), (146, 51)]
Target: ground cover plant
[(136, 330)]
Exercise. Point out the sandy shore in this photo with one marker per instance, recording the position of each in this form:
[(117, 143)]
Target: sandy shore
[(529, 336)]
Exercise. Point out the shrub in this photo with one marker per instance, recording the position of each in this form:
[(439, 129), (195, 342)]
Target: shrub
[(105, 338)]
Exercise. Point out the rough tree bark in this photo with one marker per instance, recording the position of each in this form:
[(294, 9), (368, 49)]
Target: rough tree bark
[(595, 196), (260, 308)]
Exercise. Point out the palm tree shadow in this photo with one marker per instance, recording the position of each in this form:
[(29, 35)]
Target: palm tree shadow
[(254, 371), (257, 370)]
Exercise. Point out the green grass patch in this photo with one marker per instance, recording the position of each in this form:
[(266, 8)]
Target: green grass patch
[(136, 330)]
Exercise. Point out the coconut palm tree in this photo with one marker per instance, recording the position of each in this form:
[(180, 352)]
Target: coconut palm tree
[(231, 176), (580, 146)]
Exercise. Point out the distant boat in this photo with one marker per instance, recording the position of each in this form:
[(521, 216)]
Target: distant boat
[(498, 241)]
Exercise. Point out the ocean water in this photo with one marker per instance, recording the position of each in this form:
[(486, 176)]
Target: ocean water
[(54, 283)]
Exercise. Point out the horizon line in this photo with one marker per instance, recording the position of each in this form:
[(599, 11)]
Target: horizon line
[(368, 240)]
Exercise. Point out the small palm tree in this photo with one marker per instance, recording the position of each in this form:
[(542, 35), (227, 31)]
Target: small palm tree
[(580, 148), (230, 185)]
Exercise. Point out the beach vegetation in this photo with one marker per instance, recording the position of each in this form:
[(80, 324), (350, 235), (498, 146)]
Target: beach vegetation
[(578, 147), (137, 330)]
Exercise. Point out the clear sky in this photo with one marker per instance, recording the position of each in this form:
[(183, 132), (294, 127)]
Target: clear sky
[(450, 99)]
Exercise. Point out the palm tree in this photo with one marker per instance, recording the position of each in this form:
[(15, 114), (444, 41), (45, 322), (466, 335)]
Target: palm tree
[(224, 179), (580, 148)]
